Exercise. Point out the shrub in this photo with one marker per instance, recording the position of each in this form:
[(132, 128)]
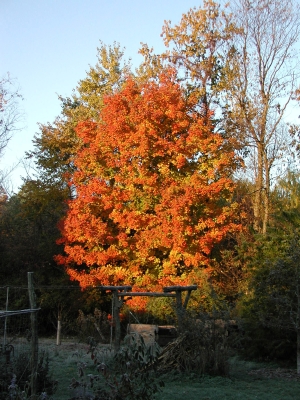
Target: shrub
[(96, 325), (129, 375)]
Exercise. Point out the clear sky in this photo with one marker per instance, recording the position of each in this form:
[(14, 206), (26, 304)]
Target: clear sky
[(48, 45)]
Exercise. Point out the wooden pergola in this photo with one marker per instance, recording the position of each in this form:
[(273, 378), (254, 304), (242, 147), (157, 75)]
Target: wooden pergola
[(120, 292)]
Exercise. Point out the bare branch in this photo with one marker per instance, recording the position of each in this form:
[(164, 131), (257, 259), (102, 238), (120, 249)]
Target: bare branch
[(10, 114)]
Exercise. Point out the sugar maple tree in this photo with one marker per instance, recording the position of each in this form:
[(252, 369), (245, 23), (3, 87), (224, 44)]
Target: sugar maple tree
[(153, 188)]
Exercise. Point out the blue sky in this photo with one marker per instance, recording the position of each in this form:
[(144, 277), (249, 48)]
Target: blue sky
[(48, 45)]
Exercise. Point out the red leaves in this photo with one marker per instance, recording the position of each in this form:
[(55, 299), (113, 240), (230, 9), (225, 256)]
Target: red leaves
[(152, 184)]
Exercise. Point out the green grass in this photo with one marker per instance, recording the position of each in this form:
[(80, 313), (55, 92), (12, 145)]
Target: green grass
[(63, 363), (216, 388), (239, 386)]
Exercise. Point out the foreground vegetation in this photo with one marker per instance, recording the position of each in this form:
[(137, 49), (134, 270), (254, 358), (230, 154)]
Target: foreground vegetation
[(242, 382)]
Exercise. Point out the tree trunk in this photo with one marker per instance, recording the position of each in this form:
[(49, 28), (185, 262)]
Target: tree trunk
[(298, 322), (266, 195), (259, 186)]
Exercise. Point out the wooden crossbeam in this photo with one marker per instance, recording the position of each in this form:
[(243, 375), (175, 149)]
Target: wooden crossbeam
[(119, 292), (113, 288), (146, 294), (179, 288)]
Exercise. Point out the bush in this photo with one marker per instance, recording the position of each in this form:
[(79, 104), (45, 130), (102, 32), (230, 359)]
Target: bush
[(129, 375), (263, 343), (96, 325)]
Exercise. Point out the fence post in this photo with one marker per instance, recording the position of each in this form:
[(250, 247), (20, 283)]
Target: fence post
[(179, 309), (34, 337), (116, 319), (5, 321), (58, 332)]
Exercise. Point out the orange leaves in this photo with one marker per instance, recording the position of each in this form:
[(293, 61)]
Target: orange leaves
[(152, 185)]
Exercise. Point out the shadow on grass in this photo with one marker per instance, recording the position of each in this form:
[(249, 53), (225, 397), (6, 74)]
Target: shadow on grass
[(247, 381)]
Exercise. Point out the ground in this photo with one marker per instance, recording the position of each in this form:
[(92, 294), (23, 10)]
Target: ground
[(247, 380)]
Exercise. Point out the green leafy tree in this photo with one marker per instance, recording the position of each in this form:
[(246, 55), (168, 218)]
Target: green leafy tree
[(273, 298), (28, 234), (57, 143)]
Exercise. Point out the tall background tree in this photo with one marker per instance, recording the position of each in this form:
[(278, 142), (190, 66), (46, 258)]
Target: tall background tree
[(9, 110), (10, 116), (242, 61), (266, 74), (57, 142), (201, 48)]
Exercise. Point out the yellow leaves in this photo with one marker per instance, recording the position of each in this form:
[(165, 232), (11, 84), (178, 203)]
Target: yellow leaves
[(202, 47), (192, 24), (169, 269)]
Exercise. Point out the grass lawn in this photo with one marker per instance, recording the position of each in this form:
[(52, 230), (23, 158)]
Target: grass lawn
[(242, 387), (248, 380)]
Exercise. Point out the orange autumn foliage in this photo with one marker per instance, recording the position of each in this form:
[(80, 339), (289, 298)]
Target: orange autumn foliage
[(153, 188)]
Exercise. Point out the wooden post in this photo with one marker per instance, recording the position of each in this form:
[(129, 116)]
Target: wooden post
[(34, 337), (179, 309), (117, 304), (298, 325), (116, 319), (5, 321), (58, 333), (187, 298)]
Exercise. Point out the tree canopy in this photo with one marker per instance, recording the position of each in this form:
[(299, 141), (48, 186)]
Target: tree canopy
[(153, 183)]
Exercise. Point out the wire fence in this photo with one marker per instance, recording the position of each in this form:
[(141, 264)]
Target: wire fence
[(16, 362)]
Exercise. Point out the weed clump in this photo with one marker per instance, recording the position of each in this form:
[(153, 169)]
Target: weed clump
[(15, 378), (128, 375), (202, 347)]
